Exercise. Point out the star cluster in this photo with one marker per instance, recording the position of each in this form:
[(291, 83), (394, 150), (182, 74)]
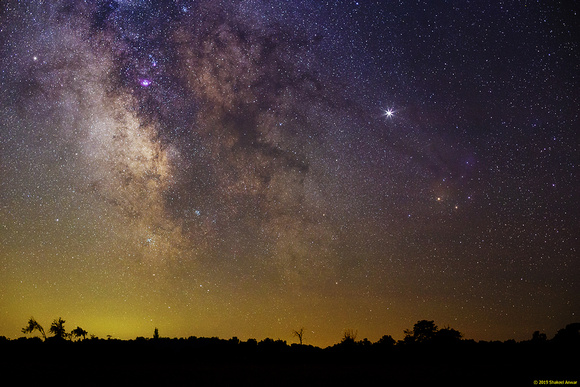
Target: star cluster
[(247, 168)]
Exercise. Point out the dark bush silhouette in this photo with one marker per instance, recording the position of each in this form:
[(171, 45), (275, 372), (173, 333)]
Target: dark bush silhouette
[(79, 332), (569, 335), (538, 337), (423, 331), (349, 337), (447, 336), (386, 341)]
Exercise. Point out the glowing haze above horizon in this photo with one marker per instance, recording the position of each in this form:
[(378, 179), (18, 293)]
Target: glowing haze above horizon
[(247, 168)]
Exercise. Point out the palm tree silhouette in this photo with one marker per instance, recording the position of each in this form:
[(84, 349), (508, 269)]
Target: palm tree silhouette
[(32, 326), (57, 328)]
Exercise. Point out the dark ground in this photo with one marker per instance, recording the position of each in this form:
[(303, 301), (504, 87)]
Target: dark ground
[(215, 362)]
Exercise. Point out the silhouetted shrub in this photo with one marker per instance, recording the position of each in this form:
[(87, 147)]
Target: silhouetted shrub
[(569, 335)]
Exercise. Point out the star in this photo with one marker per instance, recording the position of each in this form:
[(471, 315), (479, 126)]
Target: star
[(267, 158), (389, 113)]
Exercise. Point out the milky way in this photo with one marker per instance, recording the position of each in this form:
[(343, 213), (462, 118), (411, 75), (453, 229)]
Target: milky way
[(247, 168)]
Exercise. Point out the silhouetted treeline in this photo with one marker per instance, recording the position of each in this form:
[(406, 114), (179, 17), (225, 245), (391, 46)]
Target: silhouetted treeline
[(426, 354)]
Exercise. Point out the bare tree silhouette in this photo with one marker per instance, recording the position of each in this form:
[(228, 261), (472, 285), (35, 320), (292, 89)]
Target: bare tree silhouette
[(349, 336), (32, 326), (299, 333)]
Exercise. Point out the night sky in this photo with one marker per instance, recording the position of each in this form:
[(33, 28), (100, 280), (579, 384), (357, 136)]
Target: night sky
[(246, 168)]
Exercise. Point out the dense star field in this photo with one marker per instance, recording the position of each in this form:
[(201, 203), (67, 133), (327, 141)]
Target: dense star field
[(246, 168)]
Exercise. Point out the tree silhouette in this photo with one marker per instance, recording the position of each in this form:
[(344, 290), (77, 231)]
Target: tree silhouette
[(57, 328), (423, 331), (538, 337), (349, 336), (79, 332), (386, 341), (569, 335), (299, 333), (32, 326), (156, 334), (365, 342), (448, 335)]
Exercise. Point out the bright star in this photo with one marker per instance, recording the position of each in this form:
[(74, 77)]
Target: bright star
[(389, 113)]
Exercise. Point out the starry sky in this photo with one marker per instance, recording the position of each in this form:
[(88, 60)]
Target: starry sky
[(246, 168)]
